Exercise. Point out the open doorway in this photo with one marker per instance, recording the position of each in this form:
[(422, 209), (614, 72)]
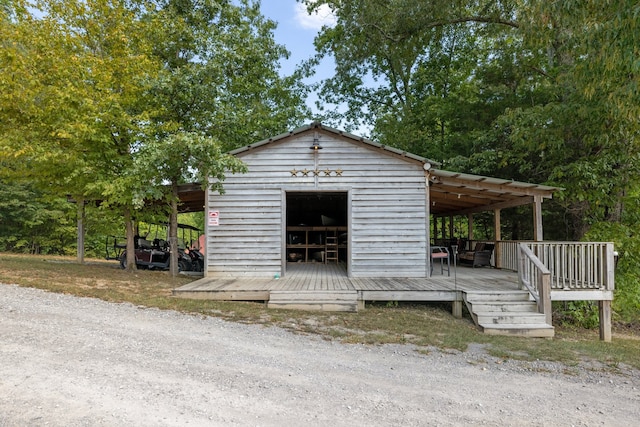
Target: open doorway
[(317, 224)]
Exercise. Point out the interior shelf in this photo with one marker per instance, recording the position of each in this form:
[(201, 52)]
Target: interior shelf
[(308, 244)]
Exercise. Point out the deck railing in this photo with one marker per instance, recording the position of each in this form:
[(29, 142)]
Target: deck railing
[(536, 278), (581, 266), (573, 265)]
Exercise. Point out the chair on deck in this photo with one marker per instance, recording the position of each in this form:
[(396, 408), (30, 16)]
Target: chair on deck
[(480, 255), (441, 253)]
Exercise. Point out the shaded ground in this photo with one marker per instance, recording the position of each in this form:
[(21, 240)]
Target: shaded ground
[(79, 361)]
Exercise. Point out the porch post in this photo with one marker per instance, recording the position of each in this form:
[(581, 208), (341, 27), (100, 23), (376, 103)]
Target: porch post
[(498, 235), (469, 230), (456, 307), (537, 218), (443, 227), (435, 228), (427, 216), (604, 309), (450, 226)]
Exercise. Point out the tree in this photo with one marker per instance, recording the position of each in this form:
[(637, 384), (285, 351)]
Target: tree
[(550, 95), (75, 84), (220, 89), (541, 91), (179, 158), (222, 72), (33, 223), (87, 85), (402, 71)]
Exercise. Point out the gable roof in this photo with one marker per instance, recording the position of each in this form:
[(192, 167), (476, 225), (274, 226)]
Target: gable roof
[(337, 132)]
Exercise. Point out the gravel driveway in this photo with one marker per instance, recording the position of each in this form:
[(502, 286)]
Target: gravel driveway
[(68, 361)]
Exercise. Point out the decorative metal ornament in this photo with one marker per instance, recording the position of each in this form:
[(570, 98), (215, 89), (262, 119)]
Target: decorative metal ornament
[(315, 172), (316, 145)]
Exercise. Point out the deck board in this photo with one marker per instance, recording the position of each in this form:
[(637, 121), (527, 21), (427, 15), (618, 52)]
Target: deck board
[(318, 277)]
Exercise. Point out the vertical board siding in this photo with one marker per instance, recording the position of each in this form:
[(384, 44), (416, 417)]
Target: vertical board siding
[(387, 224)]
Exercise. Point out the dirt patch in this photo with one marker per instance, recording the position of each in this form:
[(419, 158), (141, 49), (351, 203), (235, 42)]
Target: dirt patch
[(627, 330)]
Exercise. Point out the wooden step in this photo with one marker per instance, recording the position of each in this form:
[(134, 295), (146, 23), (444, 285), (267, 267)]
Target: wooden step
[(541, 330), (479, 296), (505, 306), (515, 318), (336, 300), (507, 313)]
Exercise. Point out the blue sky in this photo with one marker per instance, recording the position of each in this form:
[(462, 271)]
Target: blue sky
[(296, 30)]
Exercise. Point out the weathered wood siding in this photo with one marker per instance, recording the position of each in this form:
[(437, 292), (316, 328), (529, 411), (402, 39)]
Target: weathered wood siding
[(387, 236)]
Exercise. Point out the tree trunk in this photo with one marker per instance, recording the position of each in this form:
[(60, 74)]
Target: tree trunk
[(81, 228), (131, 249), (173, 230)]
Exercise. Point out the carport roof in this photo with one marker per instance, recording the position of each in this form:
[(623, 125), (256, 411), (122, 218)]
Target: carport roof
[(191, 198), (455, 193)]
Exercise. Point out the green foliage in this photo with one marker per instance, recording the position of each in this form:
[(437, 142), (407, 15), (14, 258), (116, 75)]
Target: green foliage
[(583, 314), (222, 73), (95, 95), (186, 157), (542, 92), (30, 223), (626, 303)]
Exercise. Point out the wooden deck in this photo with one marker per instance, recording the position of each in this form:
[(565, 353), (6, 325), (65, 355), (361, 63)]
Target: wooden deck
[(308, 278)]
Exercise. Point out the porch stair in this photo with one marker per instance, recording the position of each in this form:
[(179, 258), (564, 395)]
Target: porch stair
[(321, 300), (507, 313)]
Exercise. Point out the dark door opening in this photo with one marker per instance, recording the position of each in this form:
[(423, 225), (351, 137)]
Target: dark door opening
[(317, 227)]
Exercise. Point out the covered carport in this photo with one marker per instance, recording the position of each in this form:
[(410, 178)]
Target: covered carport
[(192, 199), (459, 194)]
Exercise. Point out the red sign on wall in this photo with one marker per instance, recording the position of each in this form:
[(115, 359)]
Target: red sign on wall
[(214, 217)]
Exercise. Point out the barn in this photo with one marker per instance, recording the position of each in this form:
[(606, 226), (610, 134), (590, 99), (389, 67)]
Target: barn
[(317, 194), (327, 220)]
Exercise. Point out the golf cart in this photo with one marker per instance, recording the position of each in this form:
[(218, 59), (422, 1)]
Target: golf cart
[(155, 254)]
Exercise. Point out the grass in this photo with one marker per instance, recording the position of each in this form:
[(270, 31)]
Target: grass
[(424, 325)]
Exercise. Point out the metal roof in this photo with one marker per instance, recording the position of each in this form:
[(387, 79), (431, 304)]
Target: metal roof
[(455, 193)]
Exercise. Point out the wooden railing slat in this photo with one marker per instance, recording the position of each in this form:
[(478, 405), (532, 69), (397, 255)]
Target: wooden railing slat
[(572, 265)]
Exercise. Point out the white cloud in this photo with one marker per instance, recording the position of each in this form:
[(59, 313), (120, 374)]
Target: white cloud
[(315, 21)]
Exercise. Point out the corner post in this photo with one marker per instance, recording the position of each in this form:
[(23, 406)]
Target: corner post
[(498, 235), (456, 309), (604, 311), (427, 218), (469, 230), (544, 303), (537, 218)]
